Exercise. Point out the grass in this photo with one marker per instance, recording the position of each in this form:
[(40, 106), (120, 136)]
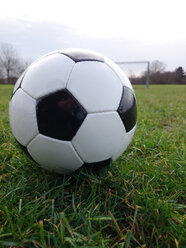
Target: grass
[(137, 202)]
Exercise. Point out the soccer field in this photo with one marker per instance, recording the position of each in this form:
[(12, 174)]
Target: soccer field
[(138, 201)]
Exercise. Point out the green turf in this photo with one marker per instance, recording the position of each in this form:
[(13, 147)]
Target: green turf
[(137, 202)]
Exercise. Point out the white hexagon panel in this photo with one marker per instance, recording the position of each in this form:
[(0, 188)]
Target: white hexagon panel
[(22, 115), (47, 75), (99, 137), (96, 86), (54, 155)]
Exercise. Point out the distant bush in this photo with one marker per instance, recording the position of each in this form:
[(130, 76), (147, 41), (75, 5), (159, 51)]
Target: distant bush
[(158, 75)]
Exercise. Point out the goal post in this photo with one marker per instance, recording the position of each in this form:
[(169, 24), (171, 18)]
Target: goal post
[(147, 63)]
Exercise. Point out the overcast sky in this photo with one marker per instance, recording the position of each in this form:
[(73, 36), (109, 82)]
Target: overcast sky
[(120, 29)]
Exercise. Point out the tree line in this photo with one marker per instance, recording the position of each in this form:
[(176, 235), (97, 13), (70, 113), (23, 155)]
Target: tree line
[(12, 66), (159, 75)]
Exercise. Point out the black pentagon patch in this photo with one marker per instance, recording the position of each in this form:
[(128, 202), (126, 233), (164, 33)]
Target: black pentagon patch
[(80, 55), (128, 109), (59, 115), (99, 164)]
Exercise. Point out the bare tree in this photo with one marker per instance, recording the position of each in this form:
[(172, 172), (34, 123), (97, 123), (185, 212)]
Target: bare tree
[(157, 66), (180, 75), (26, 63), (10, 63)]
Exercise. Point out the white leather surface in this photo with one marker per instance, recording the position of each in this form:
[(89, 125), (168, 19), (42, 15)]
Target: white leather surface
[(128, 138), (54, 155), (17, 84), (22, 115), (125, 81), (47, 75), (100, 137), (95, 86)]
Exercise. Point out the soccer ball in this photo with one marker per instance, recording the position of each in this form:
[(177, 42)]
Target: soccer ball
[(73, 107)]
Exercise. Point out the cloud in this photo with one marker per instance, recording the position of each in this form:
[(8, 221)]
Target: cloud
[(33, 39)]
